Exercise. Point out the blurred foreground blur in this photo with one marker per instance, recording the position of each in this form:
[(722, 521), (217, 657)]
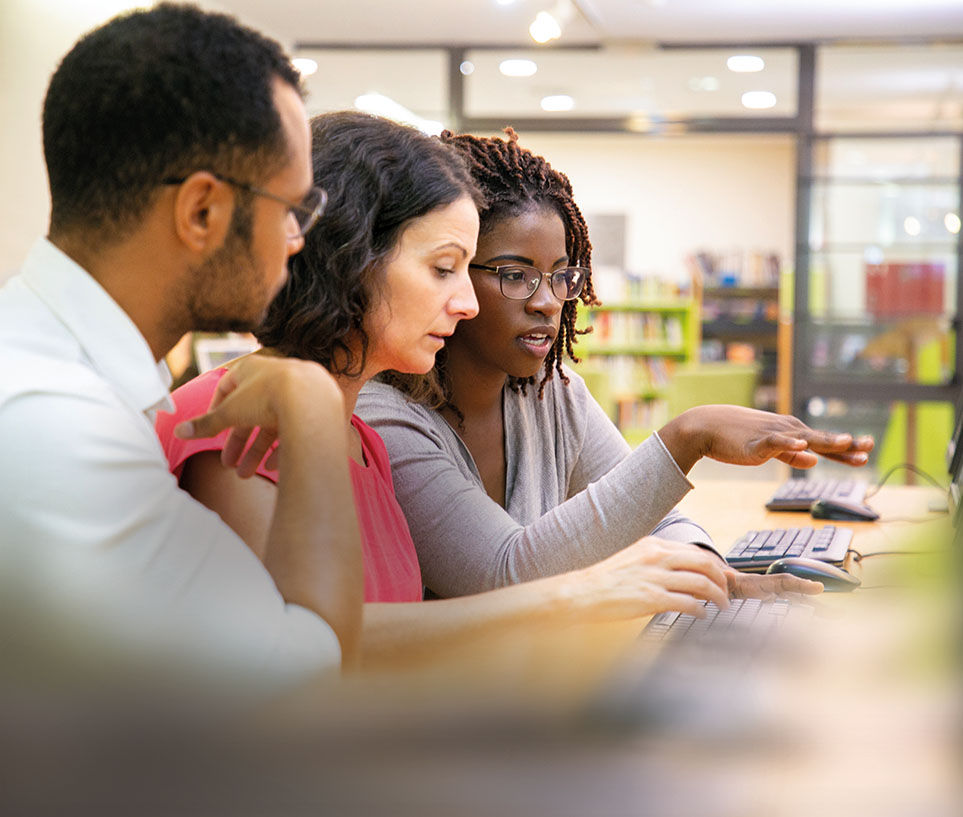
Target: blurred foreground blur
[(857, 713)]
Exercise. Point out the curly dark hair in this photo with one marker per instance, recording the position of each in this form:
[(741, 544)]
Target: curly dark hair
[(153, 94), (379, 175), (513, 180)]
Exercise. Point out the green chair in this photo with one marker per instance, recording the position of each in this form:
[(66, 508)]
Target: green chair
[(699, 384)]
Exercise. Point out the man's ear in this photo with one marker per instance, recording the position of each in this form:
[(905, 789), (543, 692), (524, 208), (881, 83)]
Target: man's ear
[(203, 207)]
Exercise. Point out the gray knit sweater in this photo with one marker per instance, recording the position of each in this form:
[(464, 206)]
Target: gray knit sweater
[(575, 492)]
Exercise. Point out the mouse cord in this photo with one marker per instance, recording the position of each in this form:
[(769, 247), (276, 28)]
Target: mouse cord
[(858, 557), (905, 466), (934, 515)]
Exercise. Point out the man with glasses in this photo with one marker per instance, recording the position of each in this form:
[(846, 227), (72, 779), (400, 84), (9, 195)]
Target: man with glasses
[(180, 186)]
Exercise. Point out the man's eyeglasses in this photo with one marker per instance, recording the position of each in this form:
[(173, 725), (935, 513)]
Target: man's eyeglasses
[(306, 214), (519, 282)]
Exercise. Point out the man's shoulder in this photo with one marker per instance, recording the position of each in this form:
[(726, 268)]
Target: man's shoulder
[(44, 362)]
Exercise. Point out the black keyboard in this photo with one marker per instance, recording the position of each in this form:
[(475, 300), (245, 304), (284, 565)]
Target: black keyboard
[(745, 618), (757, 549), (799, 494)]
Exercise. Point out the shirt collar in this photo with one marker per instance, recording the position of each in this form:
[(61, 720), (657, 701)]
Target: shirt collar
[(109, 338)]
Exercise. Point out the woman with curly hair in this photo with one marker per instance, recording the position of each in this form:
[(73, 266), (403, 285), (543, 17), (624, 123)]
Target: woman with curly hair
[(505, 444), (382, 283)]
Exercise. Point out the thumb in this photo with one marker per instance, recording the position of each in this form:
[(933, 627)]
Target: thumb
[(205, 425)]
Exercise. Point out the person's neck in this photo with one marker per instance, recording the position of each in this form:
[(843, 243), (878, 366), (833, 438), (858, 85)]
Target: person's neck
[(132, 272), (476, 390), (351, 387)]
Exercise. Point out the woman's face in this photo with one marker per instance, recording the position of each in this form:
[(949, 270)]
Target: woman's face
[(509, 335), (424, 290)]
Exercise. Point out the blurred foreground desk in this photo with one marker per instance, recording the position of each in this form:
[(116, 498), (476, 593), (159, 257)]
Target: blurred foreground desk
[(864, 721)]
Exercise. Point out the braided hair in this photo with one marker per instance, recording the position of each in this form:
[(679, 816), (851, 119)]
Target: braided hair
[(513, 180)]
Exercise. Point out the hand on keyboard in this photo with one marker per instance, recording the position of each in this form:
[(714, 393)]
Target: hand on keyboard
[(768, 587), (649, 577), (745, 436)]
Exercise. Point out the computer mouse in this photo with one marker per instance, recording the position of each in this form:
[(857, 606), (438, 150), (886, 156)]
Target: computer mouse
[(840, 509), (834, 579)]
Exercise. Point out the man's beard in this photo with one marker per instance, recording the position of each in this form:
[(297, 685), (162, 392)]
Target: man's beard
[(227, 286)]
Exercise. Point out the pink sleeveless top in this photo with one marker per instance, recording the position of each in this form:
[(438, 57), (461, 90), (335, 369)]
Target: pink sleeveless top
[(391, 571)]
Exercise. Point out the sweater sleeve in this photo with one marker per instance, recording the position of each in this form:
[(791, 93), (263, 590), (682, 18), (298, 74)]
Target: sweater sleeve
[(467, 543), (603, 447)]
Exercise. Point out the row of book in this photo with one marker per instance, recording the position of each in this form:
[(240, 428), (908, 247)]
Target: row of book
[(735, 268), (635, 328), (642, 414), (740, 309), (900, 288), (629, 376)]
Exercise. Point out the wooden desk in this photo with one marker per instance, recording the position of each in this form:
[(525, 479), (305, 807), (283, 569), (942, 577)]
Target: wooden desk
[(729, 508)]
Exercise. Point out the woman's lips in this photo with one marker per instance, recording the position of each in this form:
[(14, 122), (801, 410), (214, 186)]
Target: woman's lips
[(536, 343)]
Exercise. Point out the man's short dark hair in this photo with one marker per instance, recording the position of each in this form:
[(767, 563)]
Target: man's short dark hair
[(156, 94)]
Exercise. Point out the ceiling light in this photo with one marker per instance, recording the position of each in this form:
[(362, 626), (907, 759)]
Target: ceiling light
[(381, 105), (758, 100), (305, 66), (952, 222), (745, 64), (911, 225), (517, 68), (544, 28), (557, 102), (467, 67)]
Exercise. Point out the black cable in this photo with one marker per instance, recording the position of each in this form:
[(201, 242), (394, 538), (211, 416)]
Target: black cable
[(907, 466)]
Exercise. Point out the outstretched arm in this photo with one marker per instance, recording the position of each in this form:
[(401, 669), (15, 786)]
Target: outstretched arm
[(745, 436)]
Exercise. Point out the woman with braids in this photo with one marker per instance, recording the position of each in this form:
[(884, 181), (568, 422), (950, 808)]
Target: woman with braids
[(506, 467), (381, 282)]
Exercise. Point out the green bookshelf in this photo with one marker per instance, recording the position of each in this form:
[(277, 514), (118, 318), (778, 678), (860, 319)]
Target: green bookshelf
[(630, 356)]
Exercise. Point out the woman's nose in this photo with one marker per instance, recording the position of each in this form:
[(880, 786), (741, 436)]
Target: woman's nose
[(464, 302)]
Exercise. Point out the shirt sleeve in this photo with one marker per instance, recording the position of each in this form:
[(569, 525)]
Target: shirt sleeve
[(467, 543), (91, 512)]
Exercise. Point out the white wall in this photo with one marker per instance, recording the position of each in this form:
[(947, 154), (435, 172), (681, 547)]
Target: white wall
[(34, 36), (682, 194)]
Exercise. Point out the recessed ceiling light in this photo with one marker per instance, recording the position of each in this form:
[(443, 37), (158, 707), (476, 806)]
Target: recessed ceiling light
[(544, 28), (745, 64), (952, 222), (557, 102), (758, 100), (517, 68), (305, 66), (911, 225), (467, 67)]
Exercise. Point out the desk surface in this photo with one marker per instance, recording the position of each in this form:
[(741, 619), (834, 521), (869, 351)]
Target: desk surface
[(729, 508)]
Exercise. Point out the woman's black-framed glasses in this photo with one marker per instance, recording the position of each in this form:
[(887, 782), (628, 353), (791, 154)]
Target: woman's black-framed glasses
[(306, 214), (519, 282)]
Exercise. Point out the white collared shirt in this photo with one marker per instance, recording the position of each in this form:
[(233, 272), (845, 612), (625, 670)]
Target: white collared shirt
[(92, 521)]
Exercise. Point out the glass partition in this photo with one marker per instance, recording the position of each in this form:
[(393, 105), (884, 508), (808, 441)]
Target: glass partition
[(889, 87), (647, 83)]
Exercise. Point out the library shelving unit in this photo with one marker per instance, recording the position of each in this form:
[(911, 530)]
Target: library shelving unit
[(741, 323), (629, 358)]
